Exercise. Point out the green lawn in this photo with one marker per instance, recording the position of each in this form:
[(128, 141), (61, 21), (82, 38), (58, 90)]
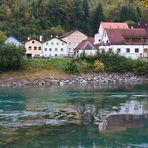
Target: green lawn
[(56, 64)]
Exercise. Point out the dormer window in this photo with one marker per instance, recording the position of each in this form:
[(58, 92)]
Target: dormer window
[(32, 42)]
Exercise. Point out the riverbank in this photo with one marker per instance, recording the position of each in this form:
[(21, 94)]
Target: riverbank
[(56, 78)]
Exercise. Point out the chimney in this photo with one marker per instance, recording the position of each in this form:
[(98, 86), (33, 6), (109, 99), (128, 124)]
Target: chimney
[(28, 38), (51, 36), (57, 36), (132, 27), (41, 38)]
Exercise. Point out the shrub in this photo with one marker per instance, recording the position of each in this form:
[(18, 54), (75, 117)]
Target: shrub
[(99, 66), (72, 67), (11, 57), (140, 67), (113, 62)]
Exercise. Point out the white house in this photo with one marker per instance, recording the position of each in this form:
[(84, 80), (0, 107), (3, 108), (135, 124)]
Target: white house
[(131, 43), (87, 46), (55, 47), (108, 25)]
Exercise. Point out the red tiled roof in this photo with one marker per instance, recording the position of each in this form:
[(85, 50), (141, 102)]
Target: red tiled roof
[(84, 43), (114, 25), (126, 36), (142, 26)]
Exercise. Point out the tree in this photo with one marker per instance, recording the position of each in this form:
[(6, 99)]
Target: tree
[(2, 37), (128, 13), (85, 15), (11, 57), (98, 17)]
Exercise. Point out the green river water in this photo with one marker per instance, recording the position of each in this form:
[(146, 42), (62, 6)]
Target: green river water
[(74, 117)]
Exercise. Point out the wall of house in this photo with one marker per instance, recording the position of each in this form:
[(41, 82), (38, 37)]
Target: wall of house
[(123, 50), (34, 48), (55, 48), (87, 52), (73, 40), (98, 36)]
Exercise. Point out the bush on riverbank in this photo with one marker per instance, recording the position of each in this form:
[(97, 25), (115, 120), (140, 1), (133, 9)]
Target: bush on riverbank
[(11, 57), (113, 63)]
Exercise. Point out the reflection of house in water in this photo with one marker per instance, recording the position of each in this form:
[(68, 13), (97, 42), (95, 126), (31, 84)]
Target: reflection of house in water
[(132, 114), (132, 108)]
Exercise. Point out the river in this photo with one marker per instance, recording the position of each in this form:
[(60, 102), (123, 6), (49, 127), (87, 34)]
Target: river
[(105, 116)]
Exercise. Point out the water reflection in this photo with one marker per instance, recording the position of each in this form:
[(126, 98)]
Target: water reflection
[(74, 117)]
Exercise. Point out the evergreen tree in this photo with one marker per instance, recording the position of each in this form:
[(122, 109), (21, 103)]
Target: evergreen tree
[(85, 15), (98, 17)]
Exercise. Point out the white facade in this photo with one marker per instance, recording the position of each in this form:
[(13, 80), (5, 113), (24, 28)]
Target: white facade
[(129, 51), (87, 52), (98, 36), (55, 48)]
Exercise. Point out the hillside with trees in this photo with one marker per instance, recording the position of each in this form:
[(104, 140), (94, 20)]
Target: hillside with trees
[(23, 18)]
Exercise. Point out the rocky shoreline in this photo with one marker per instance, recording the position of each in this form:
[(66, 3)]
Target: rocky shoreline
[(83, 79)]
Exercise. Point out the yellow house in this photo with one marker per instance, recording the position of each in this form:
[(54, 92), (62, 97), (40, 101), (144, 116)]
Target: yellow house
[(33, 48), (73, 39)]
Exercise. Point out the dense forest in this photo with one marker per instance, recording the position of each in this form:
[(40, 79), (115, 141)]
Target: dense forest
[(23, 18)]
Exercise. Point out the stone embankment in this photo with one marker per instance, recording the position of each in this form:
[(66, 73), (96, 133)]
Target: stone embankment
[(83, 79)]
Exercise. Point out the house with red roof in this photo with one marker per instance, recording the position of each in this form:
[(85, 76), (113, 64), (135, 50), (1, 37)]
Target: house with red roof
[(86, 46), (131, 43), (108, 25)]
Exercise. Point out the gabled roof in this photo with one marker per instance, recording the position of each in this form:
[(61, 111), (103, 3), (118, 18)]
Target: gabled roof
[(69, 33), (85, 43), (113, 25), (14, 40), (126, 36), (55, 38), (31, 40)]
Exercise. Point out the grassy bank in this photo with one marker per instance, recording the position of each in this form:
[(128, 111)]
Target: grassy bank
[(64, 67), (38, 68)]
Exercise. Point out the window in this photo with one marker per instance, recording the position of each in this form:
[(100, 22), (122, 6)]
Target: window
[(47, 43), (39, 48), (56, 49), (50, 49), (35, 48), (62, 43), (45, 49), (69, 43), (56, 55), (57, 43), (61, 49), (136, 50), (118, 50), (30, 48), (52, 43), (69, 49), (128, 50), (146, 50), (32, 42)]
